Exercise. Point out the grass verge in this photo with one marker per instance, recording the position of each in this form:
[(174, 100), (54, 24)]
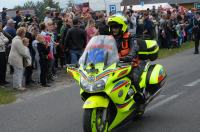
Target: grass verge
[(6, 96), (163, 53)]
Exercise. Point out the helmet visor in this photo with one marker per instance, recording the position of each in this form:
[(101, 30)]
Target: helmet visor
[(115, 26)]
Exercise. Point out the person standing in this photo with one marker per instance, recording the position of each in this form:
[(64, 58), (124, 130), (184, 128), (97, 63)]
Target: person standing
[(66, 26), (17, 53), (26, 61), (10, 28), (3, 62), (11, 31), (43, 50), (47, 17), (17, 18), (148, 27), (91, 29), (58, 22), (196, 31), (75, 41), (132, 22), (53, 45), (4, 16), (29, 69), (101, 25)]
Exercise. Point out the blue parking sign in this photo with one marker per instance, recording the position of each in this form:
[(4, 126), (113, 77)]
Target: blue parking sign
[(113, 8), (142, 3)]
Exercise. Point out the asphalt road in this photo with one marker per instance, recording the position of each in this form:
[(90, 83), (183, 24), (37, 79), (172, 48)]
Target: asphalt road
[(176, 109)]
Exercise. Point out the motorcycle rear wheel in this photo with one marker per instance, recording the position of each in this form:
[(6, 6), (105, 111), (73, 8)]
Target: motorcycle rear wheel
[(92, 120)]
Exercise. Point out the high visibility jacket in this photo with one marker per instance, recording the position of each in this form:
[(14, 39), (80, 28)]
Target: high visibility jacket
[(125, 46)]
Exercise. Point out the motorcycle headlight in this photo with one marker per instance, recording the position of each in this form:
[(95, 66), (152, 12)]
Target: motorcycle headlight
[(93, 85)]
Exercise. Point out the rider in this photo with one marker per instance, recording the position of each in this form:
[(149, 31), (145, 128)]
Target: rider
[(127, 48), (125, 43)]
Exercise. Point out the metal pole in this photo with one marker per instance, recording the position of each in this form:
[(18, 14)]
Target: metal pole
[(105, 4)]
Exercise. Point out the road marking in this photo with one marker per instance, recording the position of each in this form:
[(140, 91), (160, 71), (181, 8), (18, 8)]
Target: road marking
[(164, 101), (193, 83), (159, 97)]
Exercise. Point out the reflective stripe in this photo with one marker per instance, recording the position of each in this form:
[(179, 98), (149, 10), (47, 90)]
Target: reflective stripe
[(149, 52)]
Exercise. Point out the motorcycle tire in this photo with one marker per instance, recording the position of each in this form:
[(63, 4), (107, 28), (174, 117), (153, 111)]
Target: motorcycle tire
[(139, 115), (92, 120), (140, 112)]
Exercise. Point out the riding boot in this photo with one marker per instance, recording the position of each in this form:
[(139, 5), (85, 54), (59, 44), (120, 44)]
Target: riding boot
[(135, 76)]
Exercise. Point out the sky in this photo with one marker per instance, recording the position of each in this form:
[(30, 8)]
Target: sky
[(11, 3)]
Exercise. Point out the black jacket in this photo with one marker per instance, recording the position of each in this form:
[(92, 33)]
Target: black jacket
[(64, 35), (43, 51), (58, 22), (76, 39), (196, 26), (30, 46), (18, 19)]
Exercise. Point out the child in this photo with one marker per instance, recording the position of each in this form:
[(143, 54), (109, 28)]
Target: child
[(36, 63), (43, 50), (179, 34), (27, 61)]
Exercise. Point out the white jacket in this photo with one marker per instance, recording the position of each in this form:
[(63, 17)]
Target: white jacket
[(17, 52), (29, 60), (3, 41)]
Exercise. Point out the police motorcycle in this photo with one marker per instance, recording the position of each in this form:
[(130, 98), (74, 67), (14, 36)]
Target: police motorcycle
[(110, 98)]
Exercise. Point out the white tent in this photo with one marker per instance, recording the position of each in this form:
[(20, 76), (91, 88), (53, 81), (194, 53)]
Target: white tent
[(97, 5), (150, 6)]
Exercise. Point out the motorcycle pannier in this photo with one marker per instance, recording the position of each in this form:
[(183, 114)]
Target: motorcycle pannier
[(148, 49), (155, 78)]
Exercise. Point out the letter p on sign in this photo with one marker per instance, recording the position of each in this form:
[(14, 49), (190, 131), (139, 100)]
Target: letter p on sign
[(113, 8)]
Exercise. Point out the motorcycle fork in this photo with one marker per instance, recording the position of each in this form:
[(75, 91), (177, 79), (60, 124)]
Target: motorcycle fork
[(104, 116)]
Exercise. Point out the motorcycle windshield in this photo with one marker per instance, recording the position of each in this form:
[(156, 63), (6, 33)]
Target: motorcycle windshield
[(100, 49)]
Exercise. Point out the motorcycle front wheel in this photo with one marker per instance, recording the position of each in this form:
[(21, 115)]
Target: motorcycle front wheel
[(95, 120)]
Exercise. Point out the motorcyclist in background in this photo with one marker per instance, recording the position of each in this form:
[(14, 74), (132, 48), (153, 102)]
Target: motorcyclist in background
[(127, 49)]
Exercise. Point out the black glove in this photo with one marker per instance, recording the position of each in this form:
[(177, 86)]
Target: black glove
[(126, 59)]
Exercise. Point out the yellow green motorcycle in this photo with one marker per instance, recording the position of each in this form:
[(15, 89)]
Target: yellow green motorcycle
[(110, 98)]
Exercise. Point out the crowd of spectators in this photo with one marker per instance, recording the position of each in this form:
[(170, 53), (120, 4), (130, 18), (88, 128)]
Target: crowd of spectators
[(29, 45)]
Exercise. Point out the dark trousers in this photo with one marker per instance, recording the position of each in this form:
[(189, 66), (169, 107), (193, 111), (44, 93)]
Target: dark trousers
[(28, 74), (196, 40), (7, 54), (168, 41), (67, 58), (59, 57), (2, 67), (44, 71)]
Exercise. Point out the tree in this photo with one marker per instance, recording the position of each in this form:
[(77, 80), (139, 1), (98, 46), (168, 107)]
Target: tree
[(70, 3), (40, 7), (29, 4), (40, 10), (52, 4)]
